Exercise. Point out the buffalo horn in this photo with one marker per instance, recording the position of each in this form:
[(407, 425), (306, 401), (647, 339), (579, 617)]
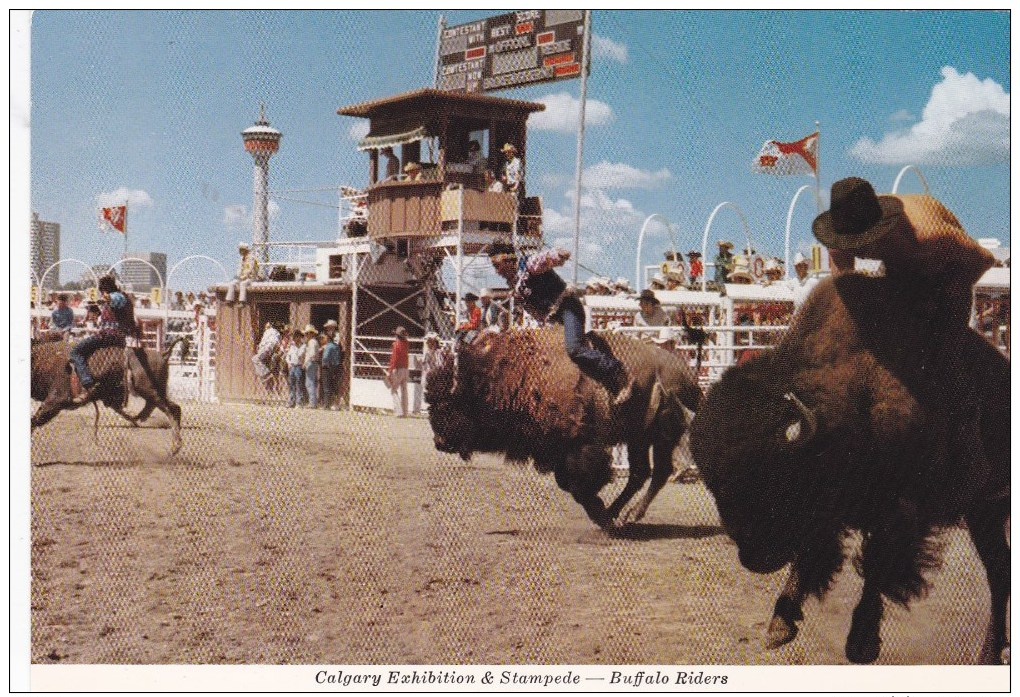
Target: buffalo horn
[(807, 414)]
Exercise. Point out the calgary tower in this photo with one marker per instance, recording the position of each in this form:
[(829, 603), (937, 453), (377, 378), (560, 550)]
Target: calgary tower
[(262, 141)]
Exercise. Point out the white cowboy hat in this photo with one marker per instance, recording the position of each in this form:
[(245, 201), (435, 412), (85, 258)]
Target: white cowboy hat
[(773, 264), (330, 323), (799, 259), (309, 329), (507, 147), (243, 245), (431, 335), (485, 293)]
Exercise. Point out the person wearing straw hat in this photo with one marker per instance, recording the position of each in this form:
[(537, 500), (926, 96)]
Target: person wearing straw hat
[(723, 261), (544, 294), (247, 272), (513, 169), (433, 356), (332, 360), (397, 372), (773, 272), (651, 313), (412, 171), (312, 362)]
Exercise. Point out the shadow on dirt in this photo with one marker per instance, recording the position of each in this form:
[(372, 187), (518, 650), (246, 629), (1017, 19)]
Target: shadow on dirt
[(666, 531)]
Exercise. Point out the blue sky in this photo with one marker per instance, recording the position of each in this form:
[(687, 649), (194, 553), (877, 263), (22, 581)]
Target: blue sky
[(151, 105)]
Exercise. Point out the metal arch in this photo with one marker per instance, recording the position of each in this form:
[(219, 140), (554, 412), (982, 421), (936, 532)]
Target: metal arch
[(162, 285), (708, 227), (42, 281), (789, 221), (226, 276), (641, 238), (917, 171)]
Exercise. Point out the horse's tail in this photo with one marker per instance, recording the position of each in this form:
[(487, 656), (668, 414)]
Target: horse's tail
[(184, 340)]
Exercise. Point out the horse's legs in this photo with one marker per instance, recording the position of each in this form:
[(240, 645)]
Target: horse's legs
[(662, 468), (145, 413), (640, 470), (987, 528)]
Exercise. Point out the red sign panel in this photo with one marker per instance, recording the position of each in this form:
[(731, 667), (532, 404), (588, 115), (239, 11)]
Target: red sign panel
[(472, 53), (546, 37), (558, 59), (565, 70), (525, 28)]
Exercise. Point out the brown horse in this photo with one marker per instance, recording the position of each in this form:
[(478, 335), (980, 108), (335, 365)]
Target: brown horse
[(119, 372)]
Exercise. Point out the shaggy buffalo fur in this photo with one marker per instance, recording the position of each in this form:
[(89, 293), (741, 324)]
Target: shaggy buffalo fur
[(518, 393), (854, 423), (149, 375)]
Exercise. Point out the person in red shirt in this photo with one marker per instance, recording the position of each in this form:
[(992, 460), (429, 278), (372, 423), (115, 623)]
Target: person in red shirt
[(697, 268), (397, 372), (473, 323)]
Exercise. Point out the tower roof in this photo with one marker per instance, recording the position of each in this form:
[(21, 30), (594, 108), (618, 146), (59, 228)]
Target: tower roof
[(261, 130)]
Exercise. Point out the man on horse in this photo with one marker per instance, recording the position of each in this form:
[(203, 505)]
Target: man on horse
[(116, 323)]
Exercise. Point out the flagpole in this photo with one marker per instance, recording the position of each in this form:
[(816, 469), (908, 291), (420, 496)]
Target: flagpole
[(585, 59), (818, 162), (125, 229)]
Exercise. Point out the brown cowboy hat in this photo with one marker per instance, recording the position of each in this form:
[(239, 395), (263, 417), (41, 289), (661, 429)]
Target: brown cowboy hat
[(856, 216), (649, 295)]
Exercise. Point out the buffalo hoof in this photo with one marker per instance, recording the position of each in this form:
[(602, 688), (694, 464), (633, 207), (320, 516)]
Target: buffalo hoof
[(862, 647), (780, 632)]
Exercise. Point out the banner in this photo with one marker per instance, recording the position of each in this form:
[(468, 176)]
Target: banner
[(799, 157), (114, 217)]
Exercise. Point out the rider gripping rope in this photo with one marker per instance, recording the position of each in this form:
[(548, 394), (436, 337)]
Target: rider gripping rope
[(544, 295), (116, 323)]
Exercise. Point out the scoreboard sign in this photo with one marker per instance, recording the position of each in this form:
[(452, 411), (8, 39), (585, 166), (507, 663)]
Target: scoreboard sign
[(511, 50)]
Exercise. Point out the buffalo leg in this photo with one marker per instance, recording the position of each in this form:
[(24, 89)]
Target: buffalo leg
[(58, 399), (639, 471), (662, 468), (811, 573), (988, 531), (586, 472), (891, 563), (172, 410)]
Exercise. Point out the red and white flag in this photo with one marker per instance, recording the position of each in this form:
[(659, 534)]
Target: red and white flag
[(799, 157), (114, 217)]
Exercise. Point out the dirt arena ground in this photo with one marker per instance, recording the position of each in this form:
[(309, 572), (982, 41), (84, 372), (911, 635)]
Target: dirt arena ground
[(283, 536)]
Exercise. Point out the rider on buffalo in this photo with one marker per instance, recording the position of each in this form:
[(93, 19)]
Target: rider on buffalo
[(545, 296), (116, 323)]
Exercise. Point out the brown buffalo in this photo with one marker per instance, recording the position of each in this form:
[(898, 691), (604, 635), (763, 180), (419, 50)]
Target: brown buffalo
[(118, 372), (518, 393), (846, 427)]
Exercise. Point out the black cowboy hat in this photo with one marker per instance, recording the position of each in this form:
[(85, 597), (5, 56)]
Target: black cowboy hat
[(694, 253), (649, 295), (857, 216), (470, 297)]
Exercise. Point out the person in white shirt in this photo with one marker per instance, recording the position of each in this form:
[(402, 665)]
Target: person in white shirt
[(513, 170), (803, 284), (493, 184), (475, 157)]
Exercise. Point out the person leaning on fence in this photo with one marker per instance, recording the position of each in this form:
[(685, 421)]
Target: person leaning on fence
[(62, 317), (397, 372), (332, 360), (312, 361), (295, 358), (513, 170), (651, 313), (116, 325), (246, 273), (263, 357)]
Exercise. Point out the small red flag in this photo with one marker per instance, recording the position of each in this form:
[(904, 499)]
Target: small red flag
[(115, 217)]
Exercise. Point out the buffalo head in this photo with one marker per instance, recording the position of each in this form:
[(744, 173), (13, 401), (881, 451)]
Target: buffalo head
[(756, 443), (450, 415)]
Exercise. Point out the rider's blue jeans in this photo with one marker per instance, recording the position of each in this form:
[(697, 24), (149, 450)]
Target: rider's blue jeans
[(81, 351), (598, 365)]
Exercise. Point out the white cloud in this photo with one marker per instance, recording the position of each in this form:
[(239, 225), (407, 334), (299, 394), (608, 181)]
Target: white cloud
[(133, 197), (358, 130), (604, 47), (618, 175), (901, 115), (563, 109), (607, 225), (965, 122), (235, 216)]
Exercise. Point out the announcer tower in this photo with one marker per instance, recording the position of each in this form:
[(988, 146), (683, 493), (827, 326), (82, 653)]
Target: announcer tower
[(262, 141)]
